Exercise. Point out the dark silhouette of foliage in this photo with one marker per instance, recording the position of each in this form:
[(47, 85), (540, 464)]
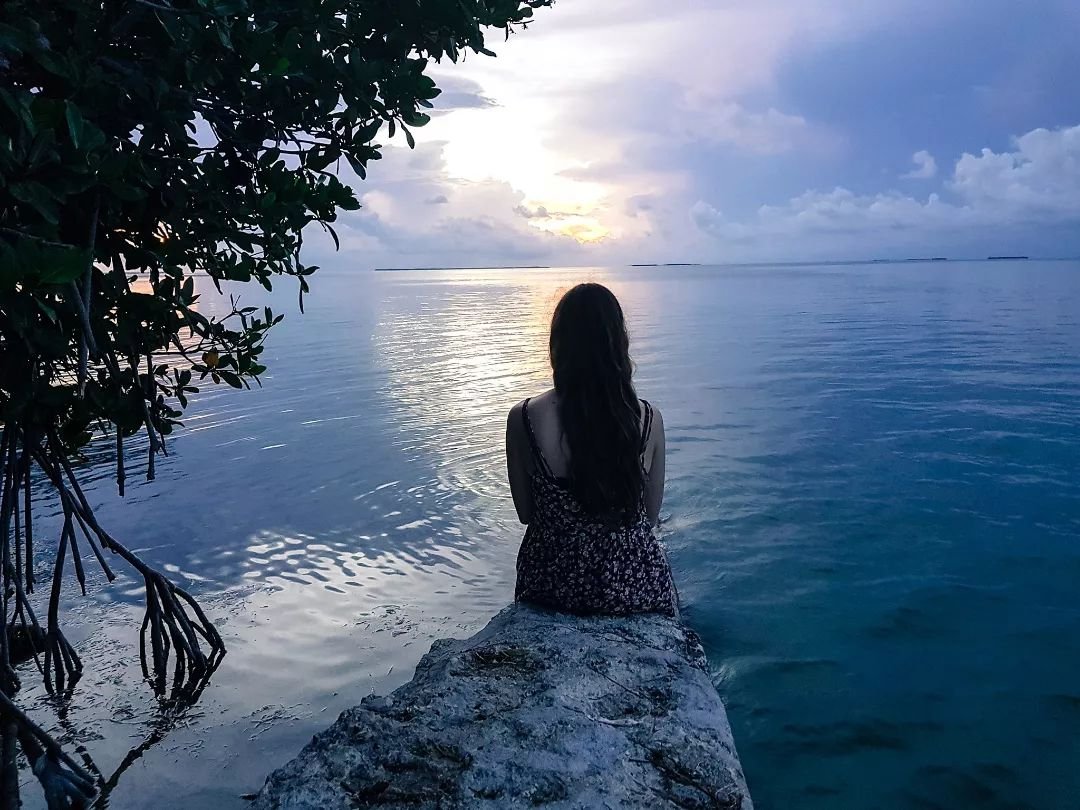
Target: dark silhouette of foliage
[(143, 142)]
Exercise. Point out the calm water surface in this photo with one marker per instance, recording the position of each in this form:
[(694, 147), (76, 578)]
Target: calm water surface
[(873, 514)]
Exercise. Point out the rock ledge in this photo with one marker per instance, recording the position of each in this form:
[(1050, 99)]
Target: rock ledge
[(536, 710)]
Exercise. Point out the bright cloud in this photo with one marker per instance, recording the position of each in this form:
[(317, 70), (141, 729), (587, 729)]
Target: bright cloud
[(925, 166), (1037, 182), (413, 214), (1039, 178)]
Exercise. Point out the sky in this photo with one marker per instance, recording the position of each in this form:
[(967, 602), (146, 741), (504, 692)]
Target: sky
[(632, 131)]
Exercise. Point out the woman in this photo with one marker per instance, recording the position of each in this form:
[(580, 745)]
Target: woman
[(586, 468)]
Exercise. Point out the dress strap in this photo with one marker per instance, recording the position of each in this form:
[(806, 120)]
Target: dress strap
[(646, 427), (538, 456)]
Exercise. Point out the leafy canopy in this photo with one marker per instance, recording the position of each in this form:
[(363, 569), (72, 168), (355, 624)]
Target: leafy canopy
[(143, 142), (177, 136)]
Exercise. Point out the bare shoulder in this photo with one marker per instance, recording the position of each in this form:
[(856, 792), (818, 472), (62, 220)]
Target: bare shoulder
[(515, 423), (537, 406), (543, 401)]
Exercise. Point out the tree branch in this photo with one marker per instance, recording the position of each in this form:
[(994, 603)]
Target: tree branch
[(87, 298), (39, 239)]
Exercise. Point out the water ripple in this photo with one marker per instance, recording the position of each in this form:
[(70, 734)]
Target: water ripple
[(873, 508)]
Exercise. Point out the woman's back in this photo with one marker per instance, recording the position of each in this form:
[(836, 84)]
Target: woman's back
[(578, 562), (586, 469)]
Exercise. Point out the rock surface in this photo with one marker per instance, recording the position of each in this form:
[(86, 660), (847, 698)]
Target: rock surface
[(536, 710)]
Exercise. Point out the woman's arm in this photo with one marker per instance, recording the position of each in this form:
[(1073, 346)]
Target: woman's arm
[(654, 488), (518, 466)]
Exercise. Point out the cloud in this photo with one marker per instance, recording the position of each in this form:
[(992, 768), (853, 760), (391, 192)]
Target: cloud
[(426, 218), (925, 167), (587, 117), (539, 212), (1039, 179), (1036, 183), (626, 130), (640, 204), (460, 93), (706, 218), (763, 132)]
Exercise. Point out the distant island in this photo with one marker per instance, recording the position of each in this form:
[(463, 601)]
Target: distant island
[(491, 267), (913, 259)]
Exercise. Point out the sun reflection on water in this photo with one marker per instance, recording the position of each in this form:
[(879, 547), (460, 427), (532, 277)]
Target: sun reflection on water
[(454, 361)]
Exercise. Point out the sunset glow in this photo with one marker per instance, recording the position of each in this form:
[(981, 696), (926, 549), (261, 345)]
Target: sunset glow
[(623, 131)]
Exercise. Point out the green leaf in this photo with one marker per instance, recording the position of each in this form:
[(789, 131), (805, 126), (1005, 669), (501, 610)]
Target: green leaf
[(317, 161), (357, 166), (334, 236), (229, 7), (92, 137), (42, 151), (39, 198), (74, 122), (16, 108), (50, 313), (11, 271), (416, 119), (127, 192), (60, 265), (12, 40)]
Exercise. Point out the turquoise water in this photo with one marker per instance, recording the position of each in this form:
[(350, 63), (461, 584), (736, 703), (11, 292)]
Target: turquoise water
[(873, 514)]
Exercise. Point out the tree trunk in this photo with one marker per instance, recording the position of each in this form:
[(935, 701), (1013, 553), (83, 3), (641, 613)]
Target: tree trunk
[(9, 767)]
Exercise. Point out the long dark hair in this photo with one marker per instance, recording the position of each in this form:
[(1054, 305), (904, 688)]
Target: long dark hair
[(598, 407)]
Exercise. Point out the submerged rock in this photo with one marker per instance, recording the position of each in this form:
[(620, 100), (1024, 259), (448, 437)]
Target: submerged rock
[(536, 710)]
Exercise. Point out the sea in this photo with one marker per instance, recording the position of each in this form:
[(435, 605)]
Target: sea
[(872, 514)]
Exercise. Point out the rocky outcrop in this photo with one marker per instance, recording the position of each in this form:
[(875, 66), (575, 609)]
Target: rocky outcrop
[(536, 710)]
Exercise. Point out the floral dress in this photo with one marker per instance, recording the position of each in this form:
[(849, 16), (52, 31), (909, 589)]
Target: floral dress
[(572, 562)]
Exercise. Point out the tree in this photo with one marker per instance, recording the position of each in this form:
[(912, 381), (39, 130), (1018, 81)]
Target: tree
[(142, 142)]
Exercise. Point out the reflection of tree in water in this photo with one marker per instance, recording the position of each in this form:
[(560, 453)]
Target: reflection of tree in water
[(81, 782), (171, 712), (173, 632)]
